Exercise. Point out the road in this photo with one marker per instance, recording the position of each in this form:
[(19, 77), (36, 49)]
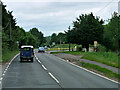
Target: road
[(48, 71)]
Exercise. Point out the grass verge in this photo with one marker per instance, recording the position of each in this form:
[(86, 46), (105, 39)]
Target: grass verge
[(8, 55), (108, 58), (100, 70)]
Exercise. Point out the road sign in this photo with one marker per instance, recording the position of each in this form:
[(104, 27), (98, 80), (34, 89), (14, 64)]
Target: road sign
[(95, 43)]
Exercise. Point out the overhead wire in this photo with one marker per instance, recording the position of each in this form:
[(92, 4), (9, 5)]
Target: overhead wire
[(105, 6)]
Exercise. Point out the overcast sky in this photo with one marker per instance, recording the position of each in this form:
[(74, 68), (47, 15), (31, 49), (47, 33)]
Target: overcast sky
[(53, 16)]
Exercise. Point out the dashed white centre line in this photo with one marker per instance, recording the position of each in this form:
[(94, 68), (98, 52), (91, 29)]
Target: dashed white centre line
[(4, 72), (1, 78), (47, 71), (53, 77), (39, 61), (36, 58), (44, 67)]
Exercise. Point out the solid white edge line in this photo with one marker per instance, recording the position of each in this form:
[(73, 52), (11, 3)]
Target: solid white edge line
[(44, 67), (53, 77), (90, 71), (9, 65)]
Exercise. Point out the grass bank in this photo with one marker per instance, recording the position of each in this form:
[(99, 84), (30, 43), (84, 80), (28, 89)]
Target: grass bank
[(109, 58)]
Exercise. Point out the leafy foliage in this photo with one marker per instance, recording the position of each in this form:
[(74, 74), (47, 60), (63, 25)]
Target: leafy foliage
[(112, 33), (86, 29), (38, 35)]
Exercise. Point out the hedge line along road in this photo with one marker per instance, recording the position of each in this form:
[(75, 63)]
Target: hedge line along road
[(48, 71)]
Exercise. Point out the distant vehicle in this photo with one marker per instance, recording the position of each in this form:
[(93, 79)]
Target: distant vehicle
[(26, 53), (41, 49), (45, 47)]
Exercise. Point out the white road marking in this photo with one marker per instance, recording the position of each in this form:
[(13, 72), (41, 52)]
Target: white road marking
[(90, 71), (1, 79), (8, 66), (39, 61), (44, 67), (67, 60), (4, 72), (46, 70), (53, 77), (36, 58)]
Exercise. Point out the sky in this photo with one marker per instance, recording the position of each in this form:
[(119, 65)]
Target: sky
[(54, 16)]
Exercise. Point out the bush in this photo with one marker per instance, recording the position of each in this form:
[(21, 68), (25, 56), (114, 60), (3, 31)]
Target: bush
[(101, 48)]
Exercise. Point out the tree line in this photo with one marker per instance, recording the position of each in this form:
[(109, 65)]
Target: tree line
[(88, 28), (14, 36)]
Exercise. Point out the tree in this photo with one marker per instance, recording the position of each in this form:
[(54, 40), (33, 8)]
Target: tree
[(38, 35), (112, 33), (61, 38), (86, 30), (54, 38)]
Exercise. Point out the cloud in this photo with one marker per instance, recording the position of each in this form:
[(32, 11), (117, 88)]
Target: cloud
[(59, 0), (55, 17)]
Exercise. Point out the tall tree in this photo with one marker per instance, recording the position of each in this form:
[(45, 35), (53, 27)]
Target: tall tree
[(54, 38), (38, 34), (87, 29), (112, 33)]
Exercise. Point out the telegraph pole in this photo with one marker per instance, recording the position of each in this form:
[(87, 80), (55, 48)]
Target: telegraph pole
[(69, 38)]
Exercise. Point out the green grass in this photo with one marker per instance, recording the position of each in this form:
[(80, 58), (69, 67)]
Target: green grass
[(104, 71), (65, 45), (109, 58), (52, 49), (8, 55), (68, 52)]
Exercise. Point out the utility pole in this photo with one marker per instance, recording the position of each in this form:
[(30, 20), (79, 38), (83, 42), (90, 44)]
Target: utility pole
[(69, 38), (60, 43)]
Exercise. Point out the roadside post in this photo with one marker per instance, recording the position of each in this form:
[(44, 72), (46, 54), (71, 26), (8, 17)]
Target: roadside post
[(95, 46)]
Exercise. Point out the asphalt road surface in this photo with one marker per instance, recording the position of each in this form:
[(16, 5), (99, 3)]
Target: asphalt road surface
[(48, 71)]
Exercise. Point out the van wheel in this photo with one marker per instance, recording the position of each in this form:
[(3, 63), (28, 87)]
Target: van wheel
[(21, 60), (31, 59)]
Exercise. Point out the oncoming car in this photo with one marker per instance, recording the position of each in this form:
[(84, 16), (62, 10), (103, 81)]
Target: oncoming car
[(26, 53), (41, 49)]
